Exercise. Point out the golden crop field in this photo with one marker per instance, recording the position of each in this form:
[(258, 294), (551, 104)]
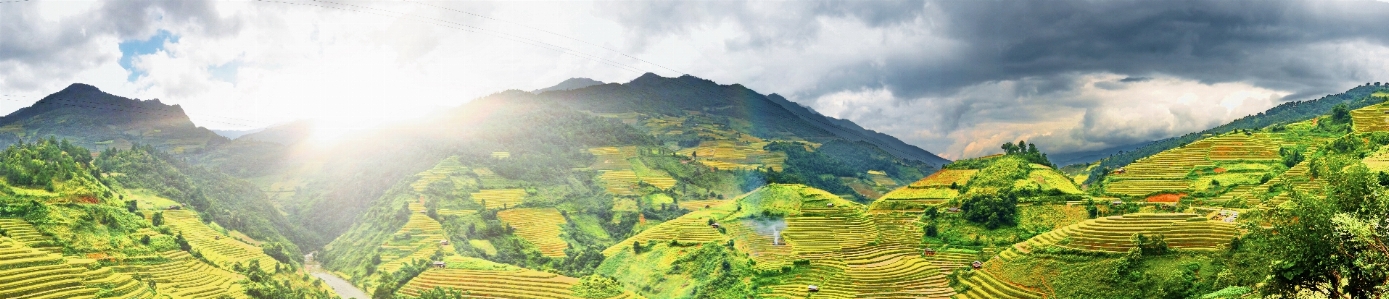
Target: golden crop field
[(499, 198), (417, 240), (220, 249), (1374, 118), (945, 177), (539, 226)]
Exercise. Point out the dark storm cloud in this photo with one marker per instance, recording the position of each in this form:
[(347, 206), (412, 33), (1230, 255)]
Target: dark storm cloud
[(1036, 56), (1262, 42)]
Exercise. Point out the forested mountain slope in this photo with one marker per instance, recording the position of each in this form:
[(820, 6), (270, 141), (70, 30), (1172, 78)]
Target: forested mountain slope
[(88, 117)]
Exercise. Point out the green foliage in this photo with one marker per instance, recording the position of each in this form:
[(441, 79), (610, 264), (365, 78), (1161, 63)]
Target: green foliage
[(230, 202), (814, 168), (1291, 156), (597, 287), (1028, 152), (1151, 245), (990, 210), (41, 164), (1332, 246), (441, 293)]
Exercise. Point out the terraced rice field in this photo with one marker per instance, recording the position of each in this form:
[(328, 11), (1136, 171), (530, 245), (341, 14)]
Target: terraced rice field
[(624, 182), (214, 246), (539, 226), (727, 154), (490, 180), (499, 198), (759, 245), (823, 229), (1166, 171), (983, 285), (446, 168), (1114, 233), (23, 232), (881, 178), (689, 229), (517, 284), (695, 205), (186, 277), (947, 260), (1047, 179), (933, 189), (867, 272), (932, 195), (612, 158), (26, 272), (1298, 176), (424, 235), (1374, 118), (945, 178)]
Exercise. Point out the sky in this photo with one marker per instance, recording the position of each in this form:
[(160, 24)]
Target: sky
[(956, 78)]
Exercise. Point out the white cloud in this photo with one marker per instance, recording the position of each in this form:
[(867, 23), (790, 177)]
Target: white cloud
[(907, 68)]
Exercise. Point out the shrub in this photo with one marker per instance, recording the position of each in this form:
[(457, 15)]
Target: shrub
[(597, 287), (992, 210)]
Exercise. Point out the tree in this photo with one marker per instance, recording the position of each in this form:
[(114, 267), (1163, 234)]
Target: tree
[(1340, 113), (1333, 246), (991, 210), (182, 243), (157, 219)]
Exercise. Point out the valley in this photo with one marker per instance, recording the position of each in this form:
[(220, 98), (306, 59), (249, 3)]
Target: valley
[(555, 195)]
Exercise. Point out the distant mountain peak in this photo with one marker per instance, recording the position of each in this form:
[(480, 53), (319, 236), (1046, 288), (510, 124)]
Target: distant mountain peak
[(107, 120), (79, 88), (570, 84)]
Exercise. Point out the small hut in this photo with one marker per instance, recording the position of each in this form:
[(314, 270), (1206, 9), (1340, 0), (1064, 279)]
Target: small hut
[(1117, 203), (175, 207), (928, 252), (1121, 170), (829, 205), (443, 242), (714, 225), (812, 288), (953, 210), (977, 264), (439, 264)]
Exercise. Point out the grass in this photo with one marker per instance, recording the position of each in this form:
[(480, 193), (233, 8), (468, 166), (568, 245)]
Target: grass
[(539, 226), (148, 200), (880, 178), (485, 245)]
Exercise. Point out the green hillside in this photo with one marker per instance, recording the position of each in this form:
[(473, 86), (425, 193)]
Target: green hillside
[(68, 231), (557, 195), (90, 118)]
